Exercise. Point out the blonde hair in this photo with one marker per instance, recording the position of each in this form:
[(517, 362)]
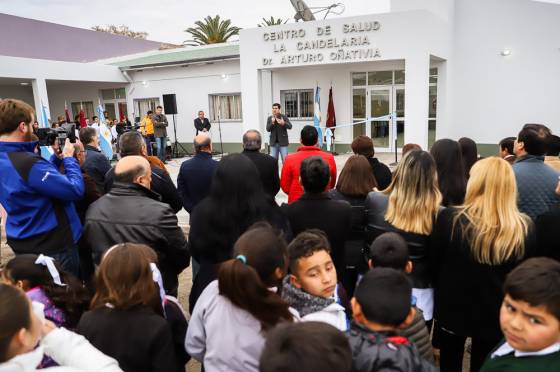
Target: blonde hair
[(496, 230), (414, 196)]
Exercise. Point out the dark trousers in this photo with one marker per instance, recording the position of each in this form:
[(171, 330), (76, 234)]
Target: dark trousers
[(453, 347), (68, 259), (149, 140)]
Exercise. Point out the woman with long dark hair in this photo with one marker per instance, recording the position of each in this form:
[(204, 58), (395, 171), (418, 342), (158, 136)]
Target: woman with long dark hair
[(469, 153), (450, 171), (236, 201)]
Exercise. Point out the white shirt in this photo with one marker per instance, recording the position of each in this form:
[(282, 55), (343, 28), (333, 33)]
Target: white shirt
[(507, 349)]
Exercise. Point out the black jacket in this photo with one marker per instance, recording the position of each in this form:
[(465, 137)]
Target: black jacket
[(278, 133), (195, 178), (268, 170), (161, 184), (381, 172), (139, 339), (319, 211), (96, 166), (374, 351), (547, 237), (132, 213), (200, 125)]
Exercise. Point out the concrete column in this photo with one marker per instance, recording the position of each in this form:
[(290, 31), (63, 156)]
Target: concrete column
[(41, 98), (417, 70), (443, 124), (250, 93), (266, 100)]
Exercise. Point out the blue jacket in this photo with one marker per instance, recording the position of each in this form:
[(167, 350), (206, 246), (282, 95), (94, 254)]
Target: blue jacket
[(195, 178), (96, 166), (39, 199), (536, 185)]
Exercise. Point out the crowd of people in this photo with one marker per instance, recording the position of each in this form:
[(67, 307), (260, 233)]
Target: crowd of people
[(372, 270)]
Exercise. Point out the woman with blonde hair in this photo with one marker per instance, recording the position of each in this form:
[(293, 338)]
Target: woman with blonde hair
[(409, 207), (475, 246)]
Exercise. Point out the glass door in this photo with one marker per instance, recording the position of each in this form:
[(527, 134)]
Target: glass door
[(380, 107)]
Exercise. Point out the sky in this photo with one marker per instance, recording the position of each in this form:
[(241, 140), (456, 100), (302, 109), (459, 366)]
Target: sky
[(166, 20)]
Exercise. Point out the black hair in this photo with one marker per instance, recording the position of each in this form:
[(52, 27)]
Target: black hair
[(87, 134), (150, 112), (315, 174), (305, 244), (507, 144), (72, 298), (469, 153), (93, 118), (450, 170), (536, 281), (384, 295), (15, 314), (534, 138), (76, 117), (389, 250), (309, 135), (276, 105), (306, 346), (159, 107), (553, 145)]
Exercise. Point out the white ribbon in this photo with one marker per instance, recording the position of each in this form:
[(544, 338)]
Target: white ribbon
[(156, 276), (49, 263)]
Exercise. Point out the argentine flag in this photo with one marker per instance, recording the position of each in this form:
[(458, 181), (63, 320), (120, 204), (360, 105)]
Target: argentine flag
[(105, 136), (317, 115), (46, 151)]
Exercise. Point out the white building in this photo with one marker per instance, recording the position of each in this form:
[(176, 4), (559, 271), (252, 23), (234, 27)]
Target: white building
[(442, 68)]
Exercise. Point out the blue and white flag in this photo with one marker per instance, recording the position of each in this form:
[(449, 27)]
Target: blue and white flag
[(317, 114), (46, 151), (105, 136)]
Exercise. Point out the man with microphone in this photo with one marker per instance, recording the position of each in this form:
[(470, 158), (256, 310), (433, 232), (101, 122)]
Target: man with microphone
[(278, 125), (201, 123)]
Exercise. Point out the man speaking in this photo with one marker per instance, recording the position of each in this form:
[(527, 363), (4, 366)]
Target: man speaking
[(201, 123), (278, 125)]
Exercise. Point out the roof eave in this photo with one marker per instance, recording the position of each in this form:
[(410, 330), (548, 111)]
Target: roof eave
[(179, 63)]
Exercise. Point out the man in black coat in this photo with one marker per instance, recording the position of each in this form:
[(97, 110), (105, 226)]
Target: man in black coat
[(201, 123), (131, 212), (278, 125), (316, 210), (266, 164), (96, 164), (195, 176), (363, 145), (132, 143)]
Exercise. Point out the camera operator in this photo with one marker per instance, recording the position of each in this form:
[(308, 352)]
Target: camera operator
[(38, 198), (278, 125)]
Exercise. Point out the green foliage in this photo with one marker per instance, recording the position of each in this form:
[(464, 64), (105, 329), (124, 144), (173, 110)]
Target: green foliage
[(212, 30), (121, 30), (272, 22)]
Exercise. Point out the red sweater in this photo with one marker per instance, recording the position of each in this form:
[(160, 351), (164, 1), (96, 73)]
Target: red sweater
[(290, 170)]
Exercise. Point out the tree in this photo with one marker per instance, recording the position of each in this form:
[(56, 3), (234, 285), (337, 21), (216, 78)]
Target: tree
[(211, 31), (121, 30), (272, 22)]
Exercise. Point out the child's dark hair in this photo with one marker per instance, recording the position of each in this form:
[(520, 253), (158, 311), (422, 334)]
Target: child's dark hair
[(306, 346), (125, 280), (384, 295), (536, 281), (305, 244), (389, 250), (15, 314), (245, 280), (72, 298)]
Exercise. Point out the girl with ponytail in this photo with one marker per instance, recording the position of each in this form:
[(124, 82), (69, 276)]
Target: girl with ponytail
[(232, 315)]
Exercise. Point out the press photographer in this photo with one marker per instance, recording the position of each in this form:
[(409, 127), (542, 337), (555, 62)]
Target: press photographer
[(37, 197)]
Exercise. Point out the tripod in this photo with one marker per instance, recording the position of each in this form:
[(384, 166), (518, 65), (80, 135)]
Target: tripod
[(220, 131), (176, 144)]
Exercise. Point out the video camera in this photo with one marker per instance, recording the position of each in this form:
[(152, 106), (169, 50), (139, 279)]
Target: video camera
[(48, 136)]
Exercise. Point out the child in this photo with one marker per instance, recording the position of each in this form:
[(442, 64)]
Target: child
[(63, 296), (21, 329), (232, 315), (307, 346), (311, 287), (381, 306), (529, 319), (391, 250), (126, 319)]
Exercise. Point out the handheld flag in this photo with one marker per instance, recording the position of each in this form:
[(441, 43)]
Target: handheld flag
[(317, 115), (46, 151), (105, 136)]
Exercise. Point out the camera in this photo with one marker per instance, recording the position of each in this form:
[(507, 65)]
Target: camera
[(48, 136)]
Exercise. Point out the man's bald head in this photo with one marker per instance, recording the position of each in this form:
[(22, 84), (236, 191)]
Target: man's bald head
[(252, 140), (202, 143), (133, 169)]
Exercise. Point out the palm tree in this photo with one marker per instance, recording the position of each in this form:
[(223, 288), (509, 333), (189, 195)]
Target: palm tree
[(211, 31), (272, 22)]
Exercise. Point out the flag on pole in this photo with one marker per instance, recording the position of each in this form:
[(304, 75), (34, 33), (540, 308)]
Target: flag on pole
[(105, 136), (67, 113), (331, 115), (46, 151), (317, 114)]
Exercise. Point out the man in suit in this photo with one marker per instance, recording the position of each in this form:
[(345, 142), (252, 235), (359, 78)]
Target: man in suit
[(195, 176), (266, 164), (201, 123), (506, 149), (278, 125)]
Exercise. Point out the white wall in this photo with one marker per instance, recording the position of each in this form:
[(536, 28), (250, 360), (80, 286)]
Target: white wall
[(24, 93), (192, 86), (493, 96)]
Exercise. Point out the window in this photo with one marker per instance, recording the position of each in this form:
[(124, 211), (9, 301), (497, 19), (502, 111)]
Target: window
[(225, 107), (143, 105), (86, 106), (109, 94), (297, 104)]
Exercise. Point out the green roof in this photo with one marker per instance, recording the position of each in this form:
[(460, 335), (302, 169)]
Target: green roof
[(182, 56)]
